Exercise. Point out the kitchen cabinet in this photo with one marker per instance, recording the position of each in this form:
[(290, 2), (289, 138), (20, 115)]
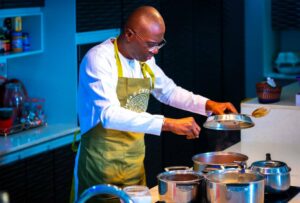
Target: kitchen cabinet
[(32, 22), (45, 177)]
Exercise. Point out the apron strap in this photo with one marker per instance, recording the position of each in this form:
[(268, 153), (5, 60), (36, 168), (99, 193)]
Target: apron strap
[(144, 66), (146, 69), (118, 61)]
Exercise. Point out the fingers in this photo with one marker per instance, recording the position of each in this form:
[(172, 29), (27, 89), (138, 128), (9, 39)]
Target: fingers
[(222, 108), (194, 131), (231, 107), (184, 126)]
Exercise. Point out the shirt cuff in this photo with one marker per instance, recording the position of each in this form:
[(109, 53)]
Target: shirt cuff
[(156, 126)]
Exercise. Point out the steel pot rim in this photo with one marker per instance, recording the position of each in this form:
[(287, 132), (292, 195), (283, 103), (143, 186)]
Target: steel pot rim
[(162, 176), (210, 154), (259, 177)]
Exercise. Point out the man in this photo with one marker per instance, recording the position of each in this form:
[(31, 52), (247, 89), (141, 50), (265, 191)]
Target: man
[(116, 78)]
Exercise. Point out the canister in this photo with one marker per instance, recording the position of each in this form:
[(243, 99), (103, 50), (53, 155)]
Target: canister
[(17, 42)]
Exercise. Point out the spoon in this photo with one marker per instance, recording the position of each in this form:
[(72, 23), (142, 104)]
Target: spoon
[(260, 112)]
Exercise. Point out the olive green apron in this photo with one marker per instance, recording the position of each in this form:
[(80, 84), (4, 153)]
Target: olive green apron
[(112, 156)]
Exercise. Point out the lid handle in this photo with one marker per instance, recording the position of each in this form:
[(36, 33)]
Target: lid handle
[(268, 157)]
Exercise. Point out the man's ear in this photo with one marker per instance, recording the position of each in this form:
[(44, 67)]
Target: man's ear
[(128, 34)]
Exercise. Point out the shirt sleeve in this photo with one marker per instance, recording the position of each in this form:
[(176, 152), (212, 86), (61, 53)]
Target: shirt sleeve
[(169, 93), (98, 101)]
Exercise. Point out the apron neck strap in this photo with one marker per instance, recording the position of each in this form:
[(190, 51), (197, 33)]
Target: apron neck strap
[(118, 61), (144, 66)]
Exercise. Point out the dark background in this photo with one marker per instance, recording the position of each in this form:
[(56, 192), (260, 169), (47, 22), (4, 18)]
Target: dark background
[(204, 54)]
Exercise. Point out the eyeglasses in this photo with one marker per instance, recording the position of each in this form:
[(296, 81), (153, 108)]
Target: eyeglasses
[(151, 45)]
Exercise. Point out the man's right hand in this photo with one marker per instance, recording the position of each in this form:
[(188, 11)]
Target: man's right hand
[(183, 126)]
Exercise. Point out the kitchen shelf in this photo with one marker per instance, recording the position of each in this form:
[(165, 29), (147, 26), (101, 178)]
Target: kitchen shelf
[(32, 22)]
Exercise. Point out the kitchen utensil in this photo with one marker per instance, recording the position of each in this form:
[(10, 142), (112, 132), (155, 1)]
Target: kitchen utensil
[(276, 173), (228, 122), (209, 161), (234, 185), (234, 121), (260, 112), (180, 186)]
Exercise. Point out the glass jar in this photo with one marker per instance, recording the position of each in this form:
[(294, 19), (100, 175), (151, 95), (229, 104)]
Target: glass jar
[(138, 193), (14, 97)]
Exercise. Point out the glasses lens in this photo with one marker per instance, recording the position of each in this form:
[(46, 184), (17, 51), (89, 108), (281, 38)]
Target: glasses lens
[(160, 45)]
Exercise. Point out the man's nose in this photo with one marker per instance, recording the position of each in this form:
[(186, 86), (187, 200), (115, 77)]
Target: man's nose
[(155, 50)]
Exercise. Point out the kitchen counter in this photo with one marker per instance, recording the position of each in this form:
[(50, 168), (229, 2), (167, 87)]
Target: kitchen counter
[(34, 141)]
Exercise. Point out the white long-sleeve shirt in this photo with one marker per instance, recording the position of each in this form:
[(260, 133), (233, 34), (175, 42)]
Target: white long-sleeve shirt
[(98, 101)]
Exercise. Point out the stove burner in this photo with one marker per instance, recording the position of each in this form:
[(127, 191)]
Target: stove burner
[(283, 197)]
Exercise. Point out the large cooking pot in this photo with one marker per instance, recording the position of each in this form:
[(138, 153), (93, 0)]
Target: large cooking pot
[(180, 186), (277, 174), (234, 185), (210, 161)]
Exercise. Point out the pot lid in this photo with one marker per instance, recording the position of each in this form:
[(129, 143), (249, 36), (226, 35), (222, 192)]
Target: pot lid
[(270, 167), (228, 122), (234, 176)]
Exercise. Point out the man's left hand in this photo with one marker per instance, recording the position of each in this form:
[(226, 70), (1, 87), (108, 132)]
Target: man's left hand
[(219, 108)]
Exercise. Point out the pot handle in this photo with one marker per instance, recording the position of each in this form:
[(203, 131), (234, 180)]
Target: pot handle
[(268, 157), (237, 186)]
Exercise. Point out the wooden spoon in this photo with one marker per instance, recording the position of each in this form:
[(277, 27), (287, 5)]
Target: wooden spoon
[(260, 112)]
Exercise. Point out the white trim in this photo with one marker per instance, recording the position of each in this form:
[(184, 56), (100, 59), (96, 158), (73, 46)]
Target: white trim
[(96, 36)]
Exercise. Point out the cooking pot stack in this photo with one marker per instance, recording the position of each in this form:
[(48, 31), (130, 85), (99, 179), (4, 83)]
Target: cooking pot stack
[(223, 177)]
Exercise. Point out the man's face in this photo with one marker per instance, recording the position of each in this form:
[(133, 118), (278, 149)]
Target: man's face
[(145, 44)]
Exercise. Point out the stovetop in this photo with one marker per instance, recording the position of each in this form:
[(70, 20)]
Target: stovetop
[(283, 197)]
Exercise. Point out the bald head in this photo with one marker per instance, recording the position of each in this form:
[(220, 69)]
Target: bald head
[(144, 29), (145, 19)]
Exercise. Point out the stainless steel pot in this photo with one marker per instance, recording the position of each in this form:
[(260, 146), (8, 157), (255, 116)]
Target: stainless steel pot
[(180, 186), (210, 161), (234, 185), (277, 174)]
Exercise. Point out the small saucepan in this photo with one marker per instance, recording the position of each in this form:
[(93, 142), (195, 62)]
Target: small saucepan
[(277, 174)]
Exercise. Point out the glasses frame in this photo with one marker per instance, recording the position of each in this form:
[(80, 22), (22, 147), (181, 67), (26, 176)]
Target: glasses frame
[(150, 48)]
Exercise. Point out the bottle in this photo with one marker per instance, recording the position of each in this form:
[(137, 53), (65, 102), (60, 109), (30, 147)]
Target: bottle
[(18, 24), (17, 41), (26, 41)]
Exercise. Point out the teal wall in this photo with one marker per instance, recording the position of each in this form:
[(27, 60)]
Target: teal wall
[(262, 45), (53, 73)]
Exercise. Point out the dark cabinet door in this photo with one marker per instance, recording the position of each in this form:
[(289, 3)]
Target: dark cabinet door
[(6, 4), (203, 55), (94, 15)]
